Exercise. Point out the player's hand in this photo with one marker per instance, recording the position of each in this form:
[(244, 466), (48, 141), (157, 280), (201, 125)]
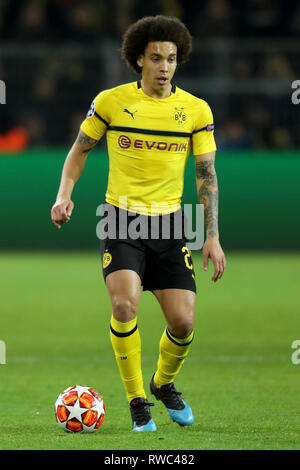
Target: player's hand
[(212, 249), (61, 212)]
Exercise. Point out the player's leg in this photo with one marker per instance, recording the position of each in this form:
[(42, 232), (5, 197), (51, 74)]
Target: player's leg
[(178, 306), (124, 287)]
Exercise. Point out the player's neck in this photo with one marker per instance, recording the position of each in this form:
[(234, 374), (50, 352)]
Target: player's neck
[(159, 93)]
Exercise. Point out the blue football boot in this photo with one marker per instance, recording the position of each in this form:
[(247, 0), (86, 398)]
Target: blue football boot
[(178, 409), (141, 416)]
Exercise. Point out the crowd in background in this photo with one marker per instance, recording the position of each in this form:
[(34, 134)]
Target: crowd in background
[(56, 55)]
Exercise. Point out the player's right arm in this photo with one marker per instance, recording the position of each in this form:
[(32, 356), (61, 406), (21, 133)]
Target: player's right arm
[(72, 170), (91, 131)]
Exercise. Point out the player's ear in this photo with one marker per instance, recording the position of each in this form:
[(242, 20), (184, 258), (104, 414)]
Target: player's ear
[(140, 60)]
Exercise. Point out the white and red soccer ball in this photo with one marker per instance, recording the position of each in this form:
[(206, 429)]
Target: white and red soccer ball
[(79, 409)]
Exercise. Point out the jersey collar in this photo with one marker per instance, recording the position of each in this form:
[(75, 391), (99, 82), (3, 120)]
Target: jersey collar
[(173, 89)]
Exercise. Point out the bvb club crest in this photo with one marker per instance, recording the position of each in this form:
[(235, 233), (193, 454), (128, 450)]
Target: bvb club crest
[(180, 116), (106, 259)]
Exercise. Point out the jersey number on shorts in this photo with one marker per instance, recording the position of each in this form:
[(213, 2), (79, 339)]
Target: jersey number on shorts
[(187, 258)]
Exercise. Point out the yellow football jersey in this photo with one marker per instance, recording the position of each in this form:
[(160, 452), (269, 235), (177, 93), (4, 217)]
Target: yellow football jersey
[(149, 141)]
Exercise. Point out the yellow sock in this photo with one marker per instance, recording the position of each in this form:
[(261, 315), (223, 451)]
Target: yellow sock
[(172, 353), (126, 343)]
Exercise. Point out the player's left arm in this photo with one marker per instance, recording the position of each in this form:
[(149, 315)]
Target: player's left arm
[(208, 193)]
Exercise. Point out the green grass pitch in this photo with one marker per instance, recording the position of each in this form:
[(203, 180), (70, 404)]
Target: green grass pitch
[(239, 377)]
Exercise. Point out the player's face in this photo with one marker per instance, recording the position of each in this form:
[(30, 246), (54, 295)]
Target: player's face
[(158, 64)]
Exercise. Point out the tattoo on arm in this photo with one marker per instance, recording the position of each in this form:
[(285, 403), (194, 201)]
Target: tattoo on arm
[(207, 185), (86, 142)]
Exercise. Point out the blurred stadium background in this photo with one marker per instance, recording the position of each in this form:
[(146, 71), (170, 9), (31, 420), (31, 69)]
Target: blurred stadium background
[(56, 55)]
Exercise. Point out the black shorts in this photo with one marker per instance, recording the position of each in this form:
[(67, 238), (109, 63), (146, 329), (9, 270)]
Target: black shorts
[(162, 261)]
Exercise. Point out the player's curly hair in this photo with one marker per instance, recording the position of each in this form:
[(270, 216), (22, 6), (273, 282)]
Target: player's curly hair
[(155, 28)]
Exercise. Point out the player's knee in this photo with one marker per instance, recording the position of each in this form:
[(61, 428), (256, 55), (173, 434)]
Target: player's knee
[(181, 319), (182, 331), (124, 309), (182, 326)]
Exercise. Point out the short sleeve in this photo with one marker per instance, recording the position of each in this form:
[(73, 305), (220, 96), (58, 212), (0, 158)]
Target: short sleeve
[(98, 117), (203, 134)]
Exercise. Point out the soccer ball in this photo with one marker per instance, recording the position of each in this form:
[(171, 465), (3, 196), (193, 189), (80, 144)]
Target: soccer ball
[(79, 409)]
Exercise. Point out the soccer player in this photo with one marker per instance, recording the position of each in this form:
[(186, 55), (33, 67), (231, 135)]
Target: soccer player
[(151, 126)]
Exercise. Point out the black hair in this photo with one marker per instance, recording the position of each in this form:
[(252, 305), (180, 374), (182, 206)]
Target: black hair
[(155, 28)]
